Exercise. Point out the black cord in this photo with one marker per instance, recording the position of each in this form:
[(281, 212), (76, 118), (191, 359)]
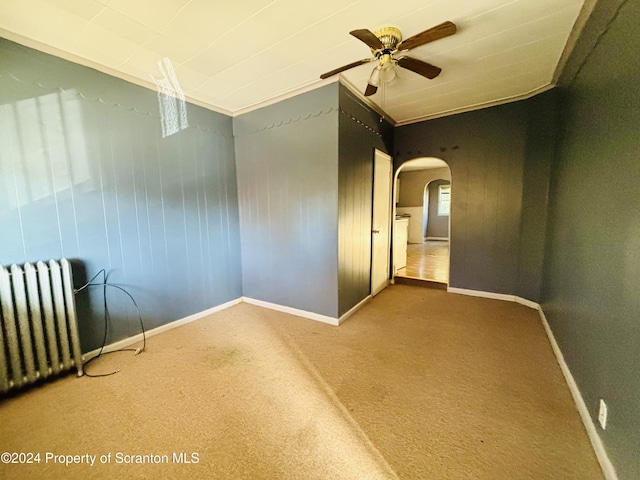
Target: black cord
[(106, 310), (104, 276), (104, 286)]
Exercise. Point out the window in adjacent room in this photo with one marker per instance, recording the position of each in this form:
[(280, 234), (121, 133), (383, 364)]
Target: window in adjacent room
[(444, 200)]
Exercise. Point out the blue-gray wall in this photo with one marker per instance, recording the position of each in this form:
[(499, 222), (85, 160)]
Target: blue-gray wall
[(542, 138), (361, 131), (305, 173), (490, 160), (592, 279), (86, 174), (287, 161)]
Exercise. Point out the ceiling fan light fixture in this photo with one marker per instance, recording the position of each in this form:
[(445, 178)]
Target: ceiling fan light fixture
[(387, 72), (388, 48), (374, 79)]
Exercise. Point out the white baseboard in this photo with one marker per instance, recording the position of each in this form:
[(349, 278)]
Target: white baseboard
[(353, 310), (293, 311), (479, 293), (605, 463), (526, 303), (162, 328), (440, 239), (127, 342), (495, 296)]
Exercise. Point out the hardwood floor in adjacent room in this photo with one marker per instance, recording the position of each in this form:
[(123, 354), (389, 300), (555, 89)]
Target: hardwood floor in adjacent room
[(427, 261)]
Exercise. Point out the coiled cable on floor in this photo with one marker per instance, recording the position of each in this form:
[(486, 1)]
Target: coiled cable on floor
[(101, 352)]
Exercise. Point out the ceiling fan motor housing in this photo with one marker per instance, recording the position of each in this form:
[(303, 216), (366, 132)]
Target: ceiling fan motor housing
[(389, 36), (385, 43)]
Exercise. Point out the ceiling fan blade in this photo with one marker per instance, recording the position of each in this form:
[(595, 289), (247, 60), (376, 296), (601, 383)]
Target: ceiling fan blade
[(371, 89), (345, 67), (422, 68), (368, 37), (435, 33)]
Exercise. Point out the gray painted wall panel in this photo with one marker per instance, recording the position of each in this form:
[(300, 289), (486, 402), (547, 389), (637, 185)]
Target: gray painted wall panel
[(287, 159), (486, 152), (86, 174), (592, 291), (541, 144), (360, 133)]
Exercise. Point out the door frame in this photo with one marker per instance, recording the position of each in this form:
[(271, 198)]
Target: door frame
[(395, 199), (376, 263)]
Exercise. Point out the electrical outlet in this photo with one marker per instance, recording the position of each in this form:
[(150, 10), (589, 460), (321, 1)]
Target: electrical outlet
[(602, 414)]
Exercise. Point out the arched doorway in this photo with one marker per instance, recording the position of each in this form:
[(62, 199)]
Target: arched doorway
[(421, 221)]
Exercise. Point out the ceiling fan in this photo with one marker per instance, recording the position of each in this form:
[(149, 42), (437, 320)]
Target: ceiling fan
[(389, 50)]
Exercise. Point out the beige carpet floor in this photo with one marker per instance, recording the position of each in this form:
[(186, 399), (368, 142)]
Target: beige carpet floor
[(419, 384)]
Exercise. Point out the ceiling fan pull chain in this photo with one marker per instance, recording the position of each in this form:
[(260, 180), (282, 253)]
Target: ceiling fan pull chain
[(382, 100)]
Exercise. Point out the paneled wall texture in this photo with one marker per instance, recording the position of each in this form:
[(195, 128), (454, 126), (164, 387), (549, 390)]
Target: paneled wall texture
[(361, 131), (287, 157), (115, 177), (592, 280), (488, 154), (86, 173), (305, 172)]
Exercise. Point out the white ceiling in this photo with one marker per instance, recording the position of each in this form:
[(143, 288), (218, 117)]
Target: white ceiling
[(235, 56)]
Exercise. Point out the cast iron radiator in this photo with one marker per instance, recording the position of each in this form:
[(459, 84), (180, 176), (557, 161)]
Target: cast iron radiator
[(38, 327)]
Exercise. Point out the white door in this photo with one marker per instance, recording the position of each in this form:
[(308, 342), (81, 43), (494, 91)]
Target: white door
[(381, 231)]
